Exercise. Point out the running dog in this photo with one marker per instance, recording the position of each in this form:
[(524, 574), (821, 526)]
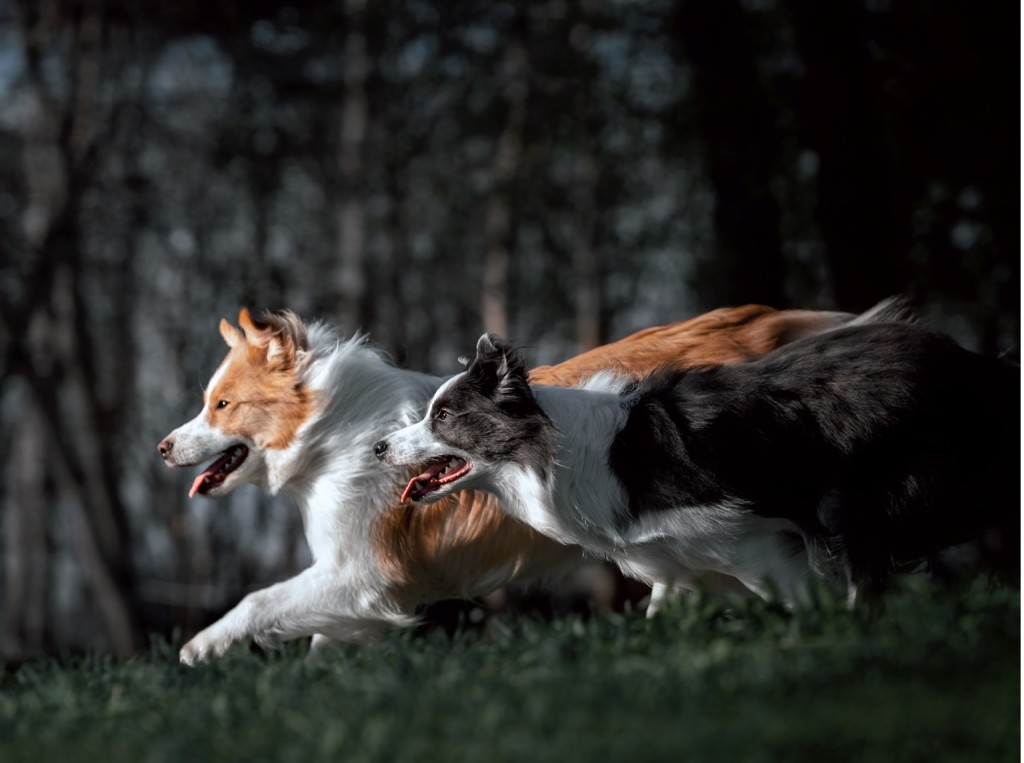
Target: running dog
[(295, 409), (849, 454)]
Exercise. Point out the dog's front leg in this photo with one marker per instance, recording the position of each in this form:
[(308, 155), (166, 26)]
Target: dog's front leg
[(311, 602), (660, 593), (320, 645)]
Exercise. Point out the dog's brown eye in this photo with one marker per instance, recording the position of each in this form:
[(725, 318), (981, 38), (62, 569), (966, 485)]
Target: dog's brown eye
[(442, 415), (222, 404)]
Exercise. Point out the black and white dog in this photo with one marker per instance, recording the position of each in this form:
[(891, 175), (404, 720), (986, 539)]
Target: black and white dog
[(847, 455)]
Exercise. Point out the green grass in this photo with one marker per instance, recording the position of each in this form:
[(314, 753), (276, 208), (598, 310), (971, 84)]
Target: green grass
[(934, 676)]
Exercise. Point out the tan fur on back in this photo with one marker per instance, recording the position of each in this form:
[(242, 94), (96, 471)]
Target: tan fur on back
[(462, 537)]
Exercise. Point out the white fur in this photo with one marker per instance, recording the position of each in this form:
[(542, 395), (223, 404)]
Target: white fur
[(340, 488)]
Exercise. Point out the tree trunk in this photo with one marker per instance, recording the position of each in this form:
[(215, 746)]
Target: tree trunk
[(743, 151), (588, 293), (862, 210), (498, 220), (26, 562), (351, 209)]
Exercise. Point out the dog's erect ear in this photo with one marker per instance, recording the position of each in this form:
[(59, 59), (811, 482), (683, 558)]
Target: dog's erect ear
[(487, 347), (500, 358), (490, 353), (249, 326), (231, 335), (280, 350), (275, 348)]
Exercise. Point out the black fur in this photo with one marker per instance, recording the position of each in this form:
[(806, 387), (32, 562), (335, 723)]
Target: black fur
[(491, 412), (885, 441)]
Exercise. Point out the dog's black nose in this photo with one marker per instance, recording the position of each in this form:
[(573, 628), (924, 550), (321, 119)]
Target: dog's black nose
[(380, 447)]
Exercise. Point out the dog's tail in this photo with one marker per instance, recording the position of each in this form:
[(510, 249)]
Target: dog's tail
[(790, 325), (896, 309)]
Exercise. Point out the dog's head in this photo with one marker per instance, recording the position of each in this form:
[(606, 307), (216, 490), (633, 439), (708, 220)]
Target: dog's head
[(252, 407), (479, 423)]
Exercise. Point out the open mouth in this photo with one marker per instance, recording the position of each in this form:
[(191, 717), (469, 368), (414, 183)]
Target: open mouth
[(218, 471), (436, 474)]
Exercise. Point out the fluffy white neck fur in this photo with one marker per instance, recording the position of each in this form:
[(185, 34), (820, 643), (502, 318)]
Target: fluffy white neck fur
[(330, 469), (579, 502)]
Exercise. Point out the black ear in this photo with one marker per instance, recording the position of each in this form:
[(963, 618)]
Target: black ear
[(497, 360), (488, 348)]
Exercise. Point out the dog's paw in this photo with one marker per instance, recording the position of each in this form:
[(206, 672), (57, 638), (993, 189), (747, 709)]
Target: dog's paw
[(202, 648), (192, 654)]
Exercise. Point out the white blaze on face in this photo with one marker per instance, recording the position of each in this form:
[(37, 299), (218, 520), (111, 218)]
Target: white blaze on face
[(414, 445), (197, 440), (444, 467), (200, 440)]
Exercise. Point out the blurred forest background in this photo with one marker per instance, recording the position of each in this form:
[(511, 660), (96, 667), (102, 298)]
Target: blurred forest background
[(561, 171)]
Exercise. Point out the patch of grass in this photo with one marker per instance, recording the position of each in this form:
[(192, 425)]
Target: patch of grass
[(933, 676)]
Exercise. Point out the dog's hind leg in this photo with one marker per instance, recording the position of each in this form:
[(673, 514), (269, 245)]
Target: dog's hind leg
[(774, 563)]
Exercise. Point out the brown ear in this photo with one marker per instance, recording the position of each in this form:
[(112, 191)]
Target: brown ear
[(246, 322), (280, 351), (257, 334), (231, 335)]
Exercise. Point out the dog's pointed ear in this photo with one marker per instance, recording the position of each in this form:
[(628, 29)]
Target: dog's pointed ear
[(497, 355), (275, 347), (280, 350), (247, 324), (487, 346), (231, 335), (490, 353)]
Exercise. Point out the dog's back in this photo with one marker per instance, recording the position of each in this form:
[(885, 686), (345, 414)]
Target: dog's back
[(888, 441)]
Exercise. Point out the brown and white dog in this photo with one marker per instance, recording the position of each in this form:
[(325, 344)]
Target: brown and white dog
[(296, 409)]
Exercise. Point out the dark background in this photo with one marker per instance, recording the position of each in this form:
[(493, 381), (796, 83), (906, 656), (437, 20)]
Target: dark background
[(562, 172)]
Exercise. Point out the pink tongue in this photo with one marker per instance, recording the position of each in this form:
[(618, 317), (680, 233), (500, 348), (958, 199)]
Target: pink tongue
[(213, 468), (427, 476), (195, 485), (199, 481)]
